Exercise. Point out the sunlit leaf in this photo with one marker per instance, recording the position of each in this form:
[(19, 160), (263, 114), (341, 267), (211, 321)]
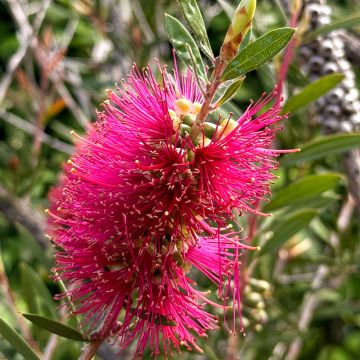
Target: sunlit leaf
[(230, 91), (307, 188), (179, 37), (55, 327), (17, 341), (194, 19), (287, 228), (323, 146), (312, 92), (258, 52)]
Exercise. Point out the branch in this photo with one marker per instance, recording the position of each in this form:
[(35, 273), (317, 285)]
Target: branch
[(90, 349)]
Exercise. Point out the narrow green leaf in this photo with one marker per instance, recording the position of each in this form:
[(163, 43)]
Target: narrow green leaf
[(312, 92), (179, 37), (37, 291), (28, 291), (55, 327), (287, 228), (194, 19), (230, 91), (345, 22), (258, 52), (306, 188), (322, 147), (17, 341)]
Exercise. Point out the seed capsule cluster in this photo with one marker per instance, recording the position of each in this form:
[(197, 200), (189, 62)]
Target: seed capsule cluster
[(339, 109)]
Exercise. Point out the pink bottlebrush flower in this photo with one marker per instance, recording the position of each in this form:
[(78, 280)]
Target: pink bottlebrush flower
[(140, 203)]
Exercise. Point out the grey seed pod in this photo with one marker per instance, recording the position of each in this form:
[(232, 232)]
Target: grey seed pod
[(336, 54), (346, 126), (332, 110), (349, 106), (338, 42), (327, 47), (330, 125), (348, 84), (353, 94), (355, 119), (305, 52), (316, 63), (344, 65), (329, 68), (319, 104), (324, 20), (335, 96), (349, 74)]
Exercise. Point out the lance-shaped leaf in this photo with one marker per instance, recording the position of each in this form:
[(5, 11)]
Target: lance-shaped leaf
[(312, 92), (179, 37), (17, 341), (230, 91), (258, 52), (303, 190), (322, 147), (287, 228), (194, 19), (55, 327)]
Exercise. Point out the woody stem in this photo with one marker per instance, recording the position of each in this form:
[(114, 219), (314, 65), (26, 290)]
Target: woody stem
[(210, 91)]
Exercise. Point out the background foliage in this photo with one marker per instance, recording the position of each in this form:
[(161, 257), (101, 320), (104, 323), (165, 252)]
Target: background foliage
[(57, 58)]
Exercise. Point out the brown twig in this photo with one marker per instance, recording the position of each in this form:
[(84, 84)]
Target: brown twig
[(210, 91), (90, 349)]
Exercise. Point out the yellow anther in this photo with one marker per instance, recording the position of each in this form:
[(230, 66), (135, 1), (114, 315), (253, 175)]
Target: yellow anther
[(195, 108), (176, 123), (172, 113), (227, 126), (182, 106)]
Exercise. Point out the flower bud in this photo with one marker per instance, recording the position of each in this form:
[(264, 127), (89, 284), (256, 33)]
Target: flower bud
[(238, 28)]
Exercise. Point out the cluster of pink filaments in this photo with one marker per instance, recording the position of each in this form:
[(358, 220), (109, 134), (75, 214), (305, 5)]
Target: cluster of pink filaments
[(140, 203)]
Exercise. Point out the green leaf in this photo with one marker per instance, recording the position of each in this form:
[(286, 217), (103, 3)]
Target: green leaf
[(304, 189), (287, 228), (179, 37), (37, 295), (17, 341), (258, 52), (194, 19), (322, 147), (345, 22), (312, 92), (55, 327), (230, 92)]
